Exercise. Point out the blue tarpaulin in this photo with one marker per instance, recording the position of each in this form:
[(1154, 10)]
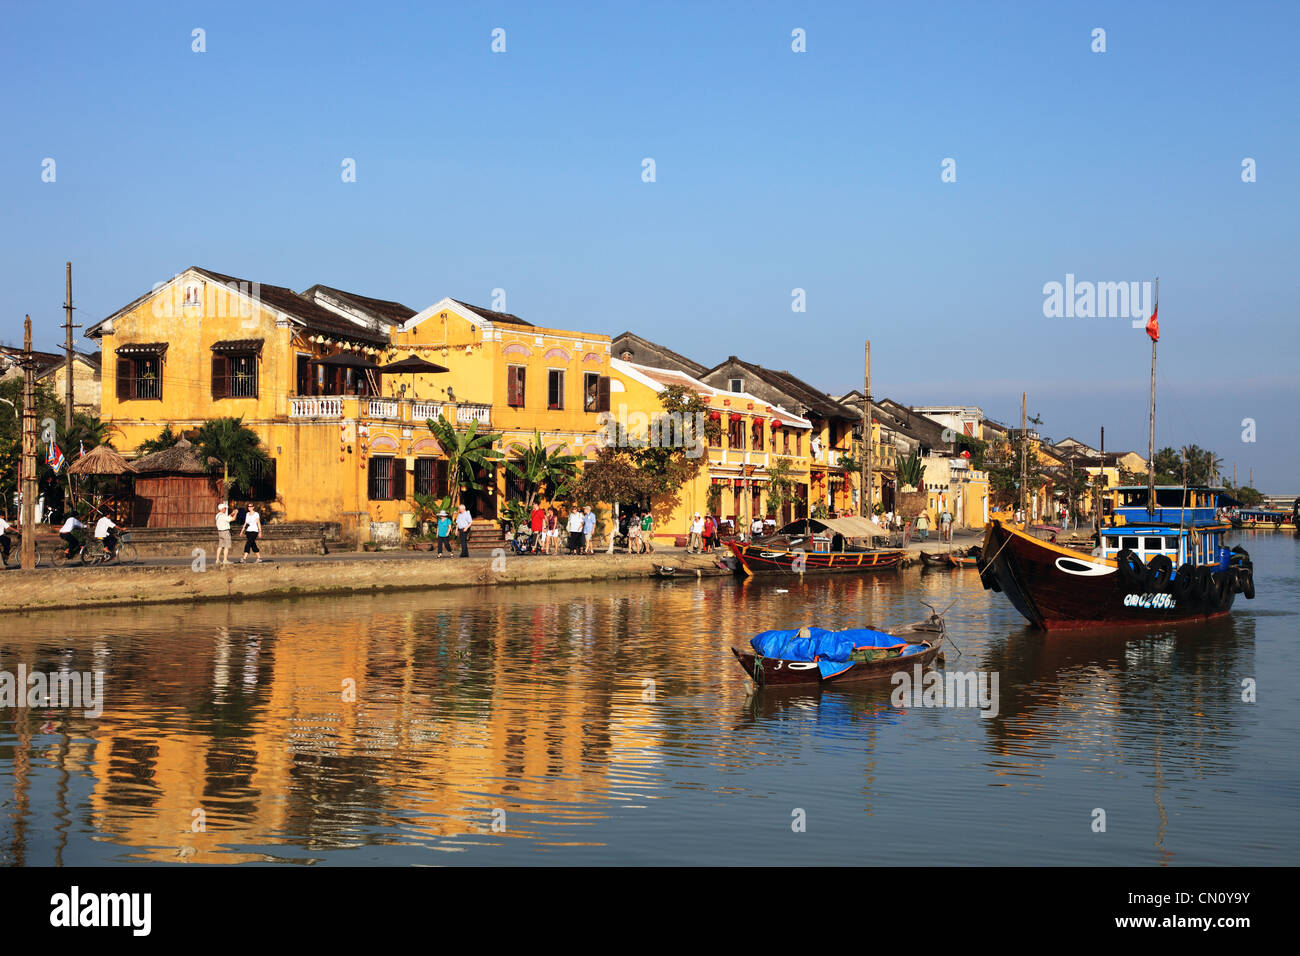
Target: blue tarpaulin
[(830, 649)]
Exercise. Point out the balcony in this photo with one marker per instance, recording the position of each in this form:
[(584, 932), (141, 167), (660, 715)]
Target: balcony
[(404, 411)]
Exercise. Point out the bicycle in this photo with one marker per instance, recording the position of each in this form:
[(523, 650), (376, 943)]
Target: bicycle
[(16, 551), (61, 558), (124, 553)]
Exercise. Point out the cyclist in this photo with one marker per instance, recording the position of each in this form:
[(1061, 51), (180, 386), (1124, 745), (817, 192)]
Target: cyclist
[(67, 533), (104, 528), (5, 543)]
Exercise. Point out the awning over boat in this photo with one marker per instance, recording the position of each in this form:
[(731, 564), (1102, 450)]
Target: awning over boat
[(854, 527)]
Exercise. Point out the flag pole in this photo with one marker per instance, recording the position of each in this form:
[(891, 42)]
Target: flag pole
[(1151, 441)]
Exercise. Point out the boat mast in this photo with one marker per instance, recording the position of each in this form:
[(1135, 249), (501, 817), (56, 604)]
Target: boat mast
[(1024, 461), (1151, 442)]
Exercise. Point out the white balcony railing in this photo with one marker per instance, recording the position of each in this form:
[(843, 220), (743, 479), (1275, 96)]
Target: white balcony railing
[(316, 406), (402, 410), (473, 413)]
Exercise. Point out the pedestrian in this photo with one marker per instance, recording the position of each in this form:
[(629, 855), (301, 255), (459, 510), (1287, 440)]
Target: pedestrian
[(252, 527), (923, 526), (575, 530), (552, 531), (945, 525), (632, 532), (756, 528), (709, 530), (588, 530), (646, 537), (223, 535), (696, 541), (537, 524), (463, 522), (444, 533)]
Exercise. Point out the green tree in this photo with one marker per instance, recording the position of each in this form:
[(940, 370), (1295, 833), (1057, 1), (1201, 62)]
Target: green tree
[(676, 450), (614, 477), (234, 451), (911, 470), (467, 453), (542, 471), (1168, 467), (166, 439), (780, 485)]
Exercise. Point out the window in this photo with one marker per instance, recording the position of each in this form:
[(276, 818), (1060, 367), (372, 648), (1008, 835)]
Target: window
[(515, 375), (758, 434), (139, 376), (736, 384), (555, 389), (304, 375), (785, 432), (736, 432), (1130, 542), (595, 392), (431, 477), (234, 375), (798, 443), (263, 488), (387, 478)]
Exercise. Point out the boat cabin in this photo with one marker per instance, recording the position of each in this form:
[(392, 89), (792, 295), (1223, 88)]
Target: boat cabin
[(1174, 504), (1260, 517), (1199, 545)]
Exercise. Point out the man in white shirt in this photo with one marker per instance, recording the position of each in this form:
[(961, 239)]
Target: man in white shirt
[(5, 543), (463, 522), (756, 528), (66, 533), (223, 534), (575, 531), (696, 542), (252, 528), (104, 534)]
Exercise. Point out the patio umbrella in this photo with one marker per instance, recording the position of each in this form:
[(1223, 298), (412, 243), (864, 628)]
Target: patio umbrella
[(413, 365)]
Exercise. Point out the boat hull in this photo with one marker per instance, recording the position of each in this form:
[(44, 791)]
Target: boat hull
[(1055, 588), (774, 672), (756, 559)]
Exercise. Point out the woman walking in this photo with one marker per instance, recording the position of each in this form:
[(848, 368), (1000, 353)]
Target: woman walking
[(252, 528)]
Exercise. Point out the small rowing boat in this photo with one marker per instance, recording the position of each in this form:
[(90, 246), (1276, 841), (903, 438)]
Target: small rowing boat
[(813, 655)]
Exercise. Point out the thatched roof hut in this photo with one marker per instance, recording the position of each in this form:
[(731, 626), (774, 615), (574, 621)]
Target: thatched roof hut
[(175, 488), (101, 460), (180, 459)]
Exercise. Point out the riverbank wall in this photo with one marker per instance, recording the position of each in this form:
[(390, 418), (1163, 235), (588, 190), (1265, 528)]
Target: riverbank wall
[(75, 589)]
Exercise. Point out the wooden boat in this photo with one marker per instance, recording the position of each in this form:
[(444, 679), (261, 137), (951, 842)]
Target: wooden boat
[(922, 641), (817, 546), (1140, 574), (664, 571), (951, 559), (934, 560)]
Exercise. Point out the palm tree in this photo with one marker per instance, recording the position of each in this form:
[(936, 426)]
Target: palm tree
[(541, 470), (466, 451), (166, 439), (237, 451)]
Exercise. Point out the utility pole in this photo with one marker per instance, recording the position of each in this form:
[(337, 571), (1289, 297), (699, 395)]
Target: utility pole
[(68, 327), (1101, 479), (28, 518), (1151, 443), (868, 486), (1024, 459)]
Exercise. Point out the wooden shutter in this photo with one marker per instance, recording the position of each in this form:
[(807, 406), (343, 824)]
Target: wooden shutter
[(440, 477), (399, 478), (515, 386), (125, 379), (602, 394), (220, 376)]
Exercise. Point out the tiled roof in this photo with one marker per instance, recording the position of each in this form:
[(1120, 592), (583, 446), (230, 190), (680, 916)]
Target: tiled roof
[(817, 402), (695, 367), (502, 318), (314, 318), (388, 311)]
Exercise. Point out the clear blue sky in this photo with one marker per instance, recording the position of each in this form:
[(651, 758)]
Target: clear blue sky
[(775, 170)]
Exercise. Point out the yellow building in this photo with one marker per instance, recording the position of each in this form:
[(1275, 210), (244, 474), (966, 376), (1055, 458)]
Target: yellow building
[(745, 438), (85, 382), (348, 442)]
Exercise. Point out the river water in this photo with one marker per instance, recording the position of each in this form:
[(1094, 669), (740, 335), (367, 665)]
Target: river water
[(607, 723)]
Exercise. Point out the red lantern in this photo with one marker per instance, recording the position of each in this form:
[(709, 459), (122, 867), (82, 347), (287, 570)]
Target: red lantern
[(715, 416), (966, 455), (776, 423)]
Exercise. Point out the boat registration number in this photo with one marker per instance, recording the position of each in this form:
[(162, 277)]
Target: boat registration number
[(1159, 602)]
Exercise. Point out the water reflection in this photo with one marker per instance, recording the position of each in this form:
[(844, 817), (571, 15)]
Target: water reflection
[(610, 724)]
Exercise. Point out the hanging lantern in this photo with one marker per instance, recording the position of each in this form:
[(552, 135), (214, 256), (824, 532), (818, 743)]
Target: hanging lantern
[(715, 416), (776, 423)]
